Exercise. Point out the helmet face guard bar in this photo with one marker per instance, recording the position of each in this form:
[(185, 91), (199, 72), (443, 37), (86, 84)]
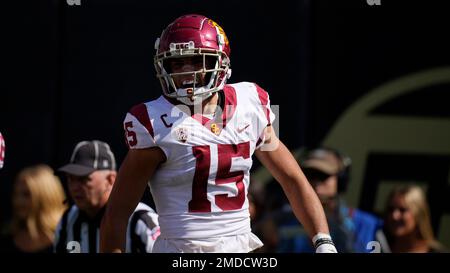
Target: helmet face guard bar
[(219, 74)]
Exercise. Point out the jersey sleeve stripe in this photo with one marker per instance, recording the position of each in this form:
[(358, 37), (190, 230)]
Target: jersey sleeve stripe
[(141, 114), (264, 99), (230, 104)]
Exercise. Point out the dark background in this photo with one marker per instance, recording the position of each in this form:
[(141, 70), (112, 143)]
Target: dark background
[(70, 73)]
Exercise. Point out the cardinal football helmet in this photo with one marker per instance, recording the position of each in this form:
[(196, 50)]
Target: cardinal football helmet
[(190, 36)]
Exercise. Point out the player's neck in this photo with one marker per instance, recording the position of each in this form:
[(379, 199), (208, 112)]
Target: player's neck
[(210, 104)]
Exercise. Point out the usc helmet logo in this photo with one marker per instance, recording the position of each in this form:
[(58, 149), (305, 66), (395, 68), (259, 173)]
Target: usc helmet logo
[(220, 30)]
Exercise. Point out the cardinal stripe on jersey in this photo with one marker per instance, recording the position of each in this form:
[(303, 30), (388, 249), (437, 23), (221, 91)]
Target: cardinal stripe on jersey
[(141, 114), (230, 104), (264, 99)]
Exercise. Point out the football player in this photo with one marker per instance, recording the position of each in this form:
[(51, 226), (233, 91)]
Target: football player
[(195, 143)]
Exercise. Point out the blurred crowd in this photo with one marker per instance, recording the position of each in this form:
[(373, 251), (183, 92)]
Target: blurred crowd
[(403, 227), (48, 215)]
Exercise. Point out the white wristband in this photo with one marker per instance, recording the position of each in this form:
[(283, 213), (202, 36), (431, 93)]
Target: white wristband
[(323, 243)]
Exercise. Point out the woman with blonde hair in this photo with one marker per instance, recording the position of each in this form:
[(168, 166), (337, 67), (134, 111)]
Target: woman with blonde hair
[(407, 222), (38, 204)]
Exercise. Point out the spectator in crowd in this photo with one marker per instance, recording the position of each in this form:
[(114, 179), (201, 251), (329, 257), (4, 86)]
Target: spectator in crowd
[(351, 229), (91, 174), (38, 203), (407, 222)]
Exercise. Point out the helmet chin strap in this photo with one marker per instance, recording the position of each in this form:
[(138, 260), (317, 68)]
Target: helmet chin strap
[(194, 100)]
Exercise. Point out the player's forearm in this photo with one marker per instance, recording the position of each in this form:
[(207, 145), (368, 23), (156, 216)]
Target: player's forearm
[(115, 221), (122, 201), (112, 233), (128, 188), (121, 204)]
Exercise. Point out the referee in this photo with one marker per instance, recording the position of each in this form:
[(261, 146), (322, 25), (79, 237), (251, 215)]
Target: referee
[(90, 177)]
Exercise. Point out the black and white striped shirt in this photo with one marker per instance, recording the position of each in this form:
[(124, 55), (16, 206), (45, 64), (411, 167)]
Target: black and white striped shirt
[(77, 233)]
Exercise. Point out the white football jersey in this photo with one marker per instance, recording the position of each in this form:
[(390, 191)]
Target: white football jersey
[(200, 191)]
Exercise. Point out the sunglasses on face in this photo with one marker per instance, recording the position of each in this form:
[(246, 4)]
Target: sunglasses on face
[(315, 175)]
